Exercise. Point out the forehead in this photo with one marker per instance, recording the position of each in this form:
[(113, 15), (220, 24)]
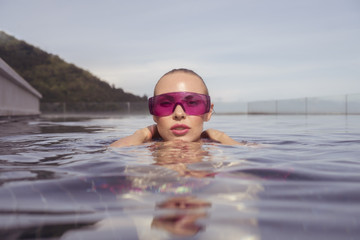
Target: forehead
[(180, 82)]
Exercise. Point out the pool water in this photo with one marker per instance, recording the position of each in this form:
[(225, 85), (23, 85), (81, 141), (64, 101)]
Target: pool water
[(59, 180)]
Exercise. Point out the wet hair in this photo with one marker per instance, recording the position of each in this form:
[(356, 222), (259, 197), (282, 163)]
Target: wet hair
[(184, 70)]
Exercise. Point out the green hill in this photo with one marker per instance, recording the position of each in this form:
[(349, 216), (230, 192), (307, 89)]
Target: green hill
[(55, 79)]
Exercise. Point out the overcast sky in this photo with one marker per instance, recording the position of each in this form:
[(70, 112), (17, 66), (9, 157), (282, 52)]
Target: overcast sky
[(244, 49)]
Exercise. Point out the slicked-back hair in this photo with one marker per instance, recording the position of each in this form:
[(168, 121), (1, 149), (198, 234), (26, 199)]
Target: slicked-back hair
[(184, 70)]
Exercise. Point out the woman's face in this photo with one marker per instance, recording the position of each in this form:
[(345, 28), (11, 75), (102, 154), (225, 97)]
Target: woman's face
[(179, 125)]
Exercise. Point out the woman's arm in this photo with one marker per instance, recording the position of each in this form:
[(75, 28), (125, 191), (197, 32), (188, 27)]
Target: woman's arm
[(138, 137), (220, 137)]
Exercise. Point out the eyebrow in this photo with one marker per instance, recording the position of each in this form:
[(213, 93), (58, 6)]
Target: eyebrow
[(166, 96), (189, 97)]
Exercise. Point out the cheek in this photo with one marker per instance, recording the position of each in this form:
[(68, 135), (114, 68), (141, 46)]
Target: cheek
[(163, 123), (197, 122)]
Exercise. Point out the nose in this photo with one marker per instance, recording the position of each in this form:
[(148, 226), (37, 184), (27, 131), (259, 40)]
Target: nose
[(179, 113)]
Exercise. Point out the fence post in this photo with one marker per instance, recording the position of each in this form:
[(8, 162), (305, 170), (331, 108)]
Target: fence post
[(346, 104), (128, 107), (64, 107)]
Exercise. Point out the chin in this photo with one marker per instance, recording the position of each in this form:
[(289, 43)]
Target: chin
[(185, 139)]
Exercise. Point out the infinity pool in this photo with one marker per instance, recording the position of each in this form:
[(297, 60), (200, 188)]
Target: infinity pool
[(59, 180)]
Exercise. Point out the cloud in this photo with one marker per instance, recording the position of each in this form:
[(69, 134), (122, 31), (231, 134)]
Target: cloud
[(245, 50)]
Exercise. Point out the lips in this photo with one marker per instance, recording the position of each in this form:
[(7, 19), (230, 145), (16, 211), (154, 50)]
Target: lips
[(179, 129)]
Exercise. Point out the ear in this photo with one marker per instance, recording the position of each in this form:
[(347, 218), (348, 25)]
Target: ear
[(208, 115), (155, 119)]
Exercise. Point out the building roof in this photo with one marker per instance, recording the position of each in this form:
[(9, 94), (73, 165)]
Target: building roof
[(6, 70)]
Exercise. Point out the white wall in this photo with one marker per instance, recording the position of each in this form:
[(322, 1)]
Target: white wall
[(17, 97)]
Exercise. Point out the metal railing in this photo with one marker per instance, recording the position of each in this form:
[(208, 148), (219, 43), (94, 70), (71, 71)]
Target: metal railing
[(344, 104), (94, 107), (348, 104)]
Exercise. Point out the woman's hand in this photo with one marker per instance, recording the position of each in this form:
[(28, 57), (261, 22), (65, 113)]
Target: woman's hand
[(220, 137), (138, 137)]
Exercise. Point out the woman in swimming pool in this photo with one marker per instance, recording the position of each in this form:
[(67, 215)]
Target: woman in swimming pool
[(180, 106)]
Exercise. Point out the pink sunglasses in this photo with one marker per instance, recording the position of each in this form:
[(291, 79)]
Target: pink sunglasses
[(192, 103)]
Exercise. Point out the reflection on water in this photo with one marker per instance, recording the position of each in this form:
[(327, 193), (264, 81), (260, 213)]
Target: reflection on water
[(177, 155), (184, 221), (58, 180)]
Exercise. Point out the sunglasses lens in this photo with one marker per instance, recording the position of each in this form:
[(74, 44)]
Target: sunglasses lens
[(192, 103), (163, 105)]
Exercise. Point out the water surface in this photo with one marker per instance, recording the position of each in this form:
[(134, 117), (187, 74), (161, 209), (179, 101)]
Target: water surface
[(59, 180)]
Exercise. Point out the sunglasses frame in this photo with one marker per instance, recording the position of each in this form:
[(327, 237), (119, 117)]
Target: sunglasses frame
[(206, 98)]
